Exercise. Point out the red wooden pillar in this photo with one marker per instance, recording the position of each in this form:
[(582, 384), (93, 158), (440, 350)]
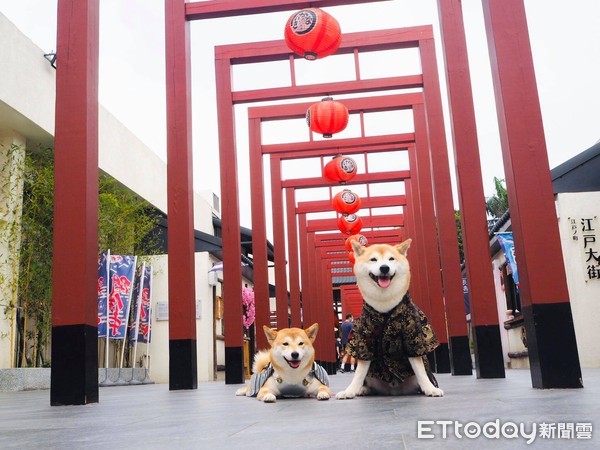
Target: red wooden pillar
[(232, 269), (74, 376), (419, 289), (489, 361), (304, 268), (294, 268), (309, 304), (259, 234), (281, 297), (326, 325), (435, 136), (427, 232), (182, 302), (552, 346)]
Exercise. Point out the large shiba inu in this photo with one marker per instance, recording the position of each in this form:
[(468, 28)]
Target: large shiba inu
[(392, 335), (288, 368)]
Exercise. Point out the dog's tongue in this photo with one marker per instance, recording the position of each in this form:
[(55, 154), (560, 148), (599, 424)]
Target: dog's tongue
[(294, 364), (383, 282)]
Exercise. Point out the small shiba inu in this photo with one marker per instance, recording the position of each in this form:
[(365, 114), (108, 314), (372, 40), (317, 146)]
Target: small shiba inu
[(288, 369), (392, 335)]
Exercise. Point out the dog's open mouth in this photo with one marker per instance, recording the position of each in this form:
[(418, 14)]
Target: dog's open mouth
[(382, 281), (293, 363)]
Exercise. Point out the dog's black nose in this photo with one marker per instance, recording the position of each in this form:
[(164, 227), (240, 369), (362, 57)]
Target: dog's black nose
[(384, 269), (295, 355)]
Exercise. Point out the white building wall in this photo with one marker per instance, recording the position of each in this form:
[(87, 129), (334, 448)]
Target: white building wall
[(159, 347), (584, 293), (27, 85), (497, 261)]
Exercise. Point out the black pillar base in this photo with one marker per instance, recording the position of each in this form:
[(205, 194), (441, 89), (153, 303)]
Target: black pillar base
[(74, 373), (329, 366), (183, 365), (442, 358), (460, 355), (234, 365), (489, 361), (552, 347)]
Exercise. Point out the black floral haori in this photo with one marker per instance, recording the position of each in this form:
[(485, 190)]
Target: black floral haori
[(388, 339)]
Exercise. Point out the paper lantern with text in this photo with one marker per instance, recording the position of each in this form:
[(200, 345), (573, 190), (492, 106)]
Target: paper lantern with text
[(355, 237), (327, 117), (346, 202), (350, 224), (340, 169), (312, 33)]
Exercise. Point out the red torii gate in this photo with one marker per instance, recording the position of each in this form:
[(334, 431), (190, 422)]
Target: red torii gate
[(553, 355), (428, 252), (321, 309)]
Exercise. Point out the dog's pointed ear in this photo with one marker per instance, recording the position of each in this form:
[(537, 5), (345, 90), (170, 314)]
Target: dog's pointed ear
[(357, 247), (270, 333), (403, 246), (312, 331)]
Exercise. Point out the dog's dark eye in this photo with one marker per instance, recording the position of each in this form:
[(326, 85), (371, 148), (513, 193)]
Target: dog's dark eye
[(392, 258), (373, 259), (300, 343), (286, 343)]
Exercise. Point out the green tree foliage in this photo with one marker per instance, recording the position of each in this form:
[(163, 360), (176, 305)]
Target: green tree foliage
[(35, 268), (126, 225), (497, 205), (459, 234), (125, 222)]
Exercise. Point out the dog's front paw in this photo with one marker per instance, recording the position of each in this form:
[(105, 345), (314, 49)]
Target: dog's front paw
[(433, 392), (323, 395), (241, 391), (269, 398), (347, 394)]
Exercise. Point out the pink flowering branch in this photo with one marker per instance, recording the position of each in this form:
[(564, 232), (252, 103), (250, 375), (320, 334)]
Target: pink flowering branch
[(248, 306)]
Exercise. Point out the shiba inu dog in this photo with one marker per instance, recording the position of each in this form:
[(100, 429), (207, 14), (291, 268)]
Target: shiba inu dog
[(288, 368), (392, 335)]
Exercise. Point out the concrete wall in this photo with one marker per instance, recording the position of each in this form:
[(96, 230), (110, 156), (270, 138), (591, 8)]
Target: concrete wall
[(497, 261), (159, 347), (583, 291)]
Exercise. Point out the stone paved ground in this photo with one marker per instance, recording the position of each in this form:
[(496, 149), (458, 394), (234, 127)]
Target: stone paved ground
[(212, 417)]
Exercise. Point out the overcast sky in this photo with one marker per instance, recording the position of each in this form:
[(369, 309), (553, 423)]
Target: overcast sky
[(565, 39)]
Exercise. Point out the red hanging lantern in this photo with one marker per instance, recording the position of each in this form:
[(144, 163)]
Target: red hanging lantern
[(362, 240), (350, 224), (346, 202), (312, 33), (327, 117), (340, 169), (351, 257)]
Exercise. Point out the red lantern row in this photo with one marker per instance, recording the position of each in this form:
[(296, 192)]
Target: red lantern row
[(340, 169), (346, 202), (313, 33), (350, 224), (327, 117), (355, 237)]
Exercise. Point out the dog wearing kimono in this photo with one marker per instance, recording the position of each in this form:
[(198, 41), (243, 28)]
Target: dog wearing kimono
[(288, 368), (392, 336)]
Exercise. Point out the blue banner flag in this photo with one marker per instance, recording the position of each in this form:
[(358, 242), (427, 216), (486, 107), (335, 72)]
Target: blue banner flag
[(144, 329), (134, 318), (102, 293), (121, 273), (508, 245)]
